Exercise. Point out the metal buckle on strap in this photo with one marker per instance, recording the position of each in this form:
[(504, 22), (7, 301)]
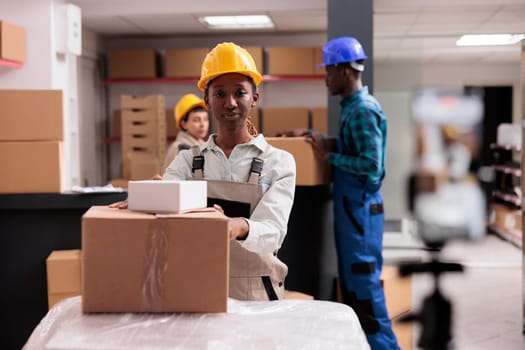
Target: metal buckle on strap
[(257, 165), (198, 163)]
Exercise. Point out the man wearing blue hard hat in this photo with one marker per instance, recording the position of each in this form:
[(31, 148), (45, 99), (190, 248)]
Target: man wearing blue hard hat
[(358, 172)]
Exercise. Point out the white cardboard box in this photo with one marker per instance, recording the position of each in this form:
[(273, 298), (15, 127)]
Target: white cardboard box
[(160, 196)]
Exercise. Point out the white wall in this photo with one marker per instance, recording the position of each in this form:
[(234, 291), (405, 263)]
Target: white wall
[(35, 17)]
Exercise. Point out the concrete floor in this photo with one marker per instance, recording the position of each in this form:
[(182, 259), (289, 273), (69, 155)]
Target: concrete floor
[(487, 298)]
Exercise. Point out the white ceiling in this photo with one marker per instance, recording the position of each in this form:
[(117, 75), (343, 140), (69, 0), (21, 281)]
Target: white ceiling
[(404, 30)]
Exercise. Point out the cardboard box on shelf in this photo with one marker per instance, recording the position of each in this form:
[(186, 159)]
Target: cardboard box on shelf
[(505, 217), (166, 196), (398, 291), (184, 63), (31, 115), (290, 60), (152, 143), (143, 142), (116, 122), (189, 274), (404, 333), (133, 64), (276, 120), (318, 59), (31, 167), (257, 54), (142, 102), (398, 298), (12, 42), (63, 275), (310, 170), (141, 165), (143, 122), (320, 119), (121, 183), (171, 128)]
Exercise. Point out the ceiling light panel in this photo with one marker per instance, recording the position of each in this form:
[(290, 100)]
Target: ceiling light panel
[(237, 22), (489, 39)]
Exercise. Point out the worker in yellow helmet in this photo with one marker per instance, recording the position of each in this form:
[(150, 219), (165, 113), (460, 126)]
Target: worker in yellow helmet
[(252, 182), (192, 120)]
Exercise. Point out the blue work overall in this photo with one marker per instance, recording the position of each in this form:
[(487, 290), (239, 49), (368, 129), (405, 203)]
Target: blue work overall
[(359, 224)]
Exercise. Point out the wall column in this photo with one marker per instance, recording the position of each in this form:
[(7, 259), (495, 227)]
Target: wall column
[(351, 18)]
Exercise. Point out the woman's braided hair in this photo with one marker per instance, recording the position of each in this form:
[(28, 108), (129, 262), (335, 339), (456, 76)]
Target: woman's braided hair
[(251, 128)]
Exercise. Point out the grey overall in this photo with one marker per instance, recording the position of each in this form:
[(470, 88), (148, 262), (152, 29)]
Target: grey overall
[(253, 276)]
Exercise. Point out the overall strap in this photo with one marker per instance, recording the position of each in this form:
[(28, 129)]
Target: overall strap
[(198, 163), (197, 167), (256, 168)]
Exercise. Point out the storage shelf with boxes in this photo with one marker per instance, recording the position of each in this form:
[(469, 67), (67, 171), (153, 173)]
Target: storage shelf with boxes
[(266, 79), (505, 209), (174, 71)]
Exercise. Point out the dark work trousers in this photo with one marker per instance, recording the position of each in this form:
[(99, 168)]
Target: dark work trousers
[(359, 225)]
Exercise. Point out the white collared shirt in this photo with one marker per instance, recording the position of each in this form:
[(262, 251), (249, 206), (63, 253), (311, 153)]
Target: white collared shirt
[(268, 222)]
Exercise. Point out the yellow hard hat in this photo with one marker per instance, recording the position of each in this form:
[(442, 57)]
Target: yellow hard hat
[(186, 104), (227, 58)]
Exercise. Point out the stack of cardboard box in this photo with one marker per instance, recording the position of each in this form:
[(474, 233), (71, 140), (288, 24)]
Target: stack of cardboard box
[(310, 171), (139, 262), (294, 61), (63, 275), (31, 140), (275, 120), (12, 42), (143, 128), (133, 64)]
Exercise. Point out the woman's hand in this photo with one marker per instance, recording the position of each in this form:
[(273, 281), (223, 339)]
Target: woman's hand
[(120, 205), (238, 228)]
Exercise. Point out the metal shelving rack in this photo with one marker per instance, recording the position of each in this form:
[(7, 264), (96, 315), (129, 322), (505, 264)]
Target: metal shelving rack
[(512, 235)]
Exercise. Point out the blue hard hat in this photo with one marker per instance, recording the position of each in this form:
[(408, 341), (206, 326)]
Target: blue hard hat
[(342, 50)]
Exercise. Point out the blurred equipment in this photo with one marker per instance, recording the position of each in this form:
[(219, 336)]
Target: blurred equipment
[(444, 196)]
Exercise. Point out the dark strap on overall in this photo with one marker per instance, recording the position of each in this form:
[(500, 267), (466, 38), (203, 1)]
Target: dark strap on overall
[(198, 163), (197, 167)]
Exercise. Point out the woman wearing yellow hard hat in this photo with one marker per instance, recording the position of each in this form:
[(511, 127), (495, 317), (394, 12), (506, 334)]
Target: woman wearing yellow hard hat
[(252, 182), (192, 120)]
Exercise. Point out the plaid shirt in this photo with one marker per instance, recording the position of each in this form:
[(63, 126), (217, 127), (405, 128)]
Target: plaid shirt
[(362, 138)]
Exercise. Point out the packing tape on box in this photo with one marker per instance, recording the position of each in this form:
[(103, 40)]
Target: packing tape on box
[(155, 266)]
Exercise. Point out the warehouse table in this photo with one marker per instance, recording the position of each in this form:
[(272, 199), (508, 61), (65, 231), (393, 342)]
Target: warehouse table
[(282, 324), (31, 226)]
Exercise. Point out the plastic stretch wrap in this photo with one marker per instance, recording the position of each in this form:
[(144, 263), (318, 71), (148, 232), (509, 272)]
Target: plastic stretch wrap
[(282, 324)]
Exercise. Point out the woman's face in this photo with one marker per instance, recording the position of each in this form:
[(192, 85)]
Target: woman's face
[(230, 98), (197, 124)]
